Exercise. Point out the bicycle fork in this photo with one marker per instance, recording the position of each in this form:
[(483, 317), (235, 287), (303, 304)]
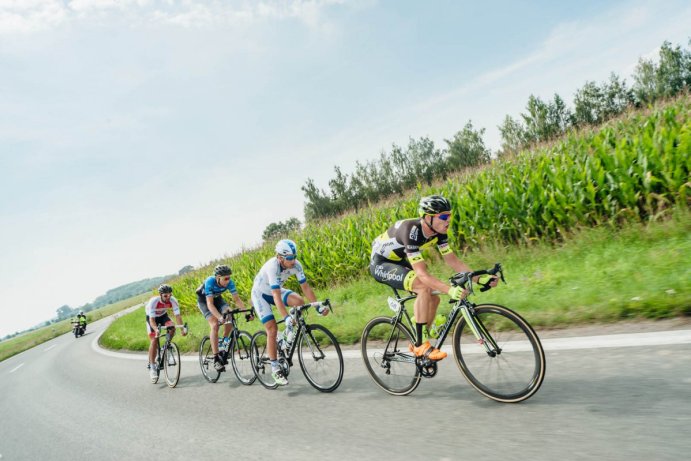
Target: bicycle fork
[(481, 334)]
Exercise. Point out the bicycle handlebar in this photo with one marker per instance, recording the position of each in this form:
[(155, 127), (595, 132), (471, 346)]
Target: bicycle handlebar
[(248, 317), (326, 303), (167, 327), (463, 278)]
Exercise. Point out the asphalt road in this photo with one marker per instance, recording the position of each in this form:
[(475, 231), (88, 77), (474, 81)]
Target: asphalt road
[(64, 400)]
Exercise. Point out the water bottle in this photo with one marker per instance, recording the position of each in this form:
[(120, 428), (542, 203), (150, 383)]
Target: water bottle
[(226, 341), (281, 343)]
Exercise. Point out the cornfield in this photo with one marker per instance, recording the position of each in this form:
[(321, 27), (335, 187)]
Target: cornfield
[(635, 168)]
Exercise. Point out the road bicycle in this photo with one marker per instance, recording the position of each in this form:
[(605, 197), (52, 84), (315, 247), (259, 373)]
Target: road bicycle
[(168, 356), (318, 351), (496, 350), (236, 347)]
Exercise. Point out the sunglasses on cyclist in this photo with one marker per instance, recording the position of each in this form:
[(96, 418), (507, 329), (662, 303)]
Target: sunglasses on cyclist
[(225, 279), (289, 257), (444, 216)]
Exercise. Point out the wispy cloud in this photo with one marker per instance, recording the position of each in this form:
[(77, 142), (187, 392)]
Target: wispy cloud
[(30, 16)]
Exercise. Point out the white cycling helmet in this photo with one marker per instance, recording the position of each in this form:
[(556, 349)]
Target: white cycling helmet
[(286, 247)]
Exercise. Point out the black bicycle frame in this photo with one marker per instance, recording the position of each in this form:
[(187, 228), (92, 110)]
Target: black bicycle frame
[(492, 348)]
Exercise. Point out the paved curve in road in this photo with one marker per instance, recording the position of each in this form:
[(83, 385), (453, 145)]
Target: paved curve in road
[(65, 400)]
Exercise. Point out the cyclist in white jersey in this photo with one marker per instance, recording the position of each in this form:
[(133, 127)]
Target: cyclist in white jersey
[(268, 291), (157, 314)]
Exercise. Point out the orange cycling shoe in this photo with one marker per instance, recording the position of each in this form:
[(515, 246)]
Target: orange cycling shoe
[(426, 350)]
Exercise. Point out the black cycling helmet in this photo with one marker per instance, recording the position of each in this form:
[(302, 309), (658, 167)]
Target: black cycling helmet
[(222, 270), (165, 289), (434, 204)]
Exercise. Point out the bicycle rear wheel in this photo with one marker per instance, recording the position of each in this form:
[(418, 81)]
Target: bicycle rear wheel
[(511, 373), (261, 364), (242, 364), (206, 360), (171, 365), (387, 358), (320, 358)]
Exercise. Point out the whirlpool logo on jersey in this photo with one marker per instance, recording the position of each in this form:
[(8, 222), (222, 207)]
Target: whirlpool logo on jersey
[(380, 272)]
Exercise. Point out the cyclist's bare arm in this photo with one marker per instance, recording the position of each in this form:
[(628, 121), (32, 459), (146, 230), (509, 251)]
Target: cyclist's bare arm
[(238, 301), (178, 318), (309, 294), (212, 308), (307, 290), (456, 264), (459, 266), (428, 279)]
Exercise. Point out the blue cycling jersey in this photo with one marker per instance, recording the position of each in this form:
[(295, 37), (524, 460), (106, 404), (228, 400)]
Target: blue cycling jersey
[(211, 288)]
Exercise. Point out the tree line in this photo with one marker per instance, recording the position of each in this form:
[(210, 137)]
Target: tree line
[(421, 161)]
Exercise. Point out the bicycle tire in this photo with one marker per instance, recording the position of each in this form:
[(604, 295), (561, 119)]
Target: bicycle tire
[(171, 368), (514, 374), (261, 364), (206, 360), (318, 350), (241, 358), (378, 337)]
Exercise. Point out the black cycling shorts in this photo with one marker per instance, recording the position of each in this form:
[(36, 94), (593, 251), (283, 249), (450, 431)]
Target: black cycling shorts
[(399, 275)]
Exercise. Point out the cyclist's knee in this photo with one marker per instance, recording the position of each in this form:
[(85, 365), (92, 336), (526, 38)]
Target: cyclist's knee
[(423, 291), (271, 327), (295, 300)]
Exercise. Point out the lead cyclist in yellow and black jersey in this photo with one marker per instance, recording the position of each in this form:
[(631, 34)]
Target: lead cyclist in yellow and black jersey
[(397, 261)]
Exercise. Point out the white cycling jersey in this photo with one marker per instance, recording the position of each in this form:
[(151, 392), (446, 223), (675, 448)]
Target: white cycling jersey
[(272, 276)]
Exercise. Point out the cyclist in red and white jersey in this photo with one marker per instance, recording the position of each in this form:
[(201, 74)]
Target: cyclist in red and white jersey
[(157, 314)]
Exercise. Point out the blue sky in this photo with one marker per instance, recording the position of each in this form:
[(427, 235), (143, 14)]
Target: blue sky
[(139, 136)]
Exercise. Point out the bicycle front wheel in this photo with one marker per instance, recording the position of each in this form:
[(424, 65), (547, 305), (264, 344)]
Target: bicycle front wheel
[(385, 351), (511, 372), (171, 365), (241, 352), (206, 360), (320, 358), (261, 364)]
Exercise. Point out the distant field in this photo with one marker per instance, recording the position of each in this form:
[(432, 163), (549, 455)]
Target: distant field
[(25, 341)]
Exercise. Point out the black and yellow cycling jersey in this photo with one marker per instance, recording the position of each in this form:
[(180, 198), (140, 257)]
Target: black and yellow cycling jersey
[(404, 241)]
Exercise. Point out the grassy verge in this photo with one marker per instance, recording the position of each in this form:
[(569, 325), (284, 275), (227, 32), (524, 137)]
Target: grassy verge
[(33, 338), (598, 275)]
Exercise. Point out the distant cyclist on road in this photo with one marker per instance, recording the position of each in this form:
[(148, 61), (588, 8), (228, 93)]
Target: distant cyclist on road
[(157, 314), (268, 291), (397, 261), (213, 306)]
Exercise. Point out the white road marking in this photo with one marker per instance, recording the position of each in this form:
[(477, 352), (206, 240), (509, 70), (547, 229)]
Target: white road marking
[(657, 338), (17, 367), (49, 348)]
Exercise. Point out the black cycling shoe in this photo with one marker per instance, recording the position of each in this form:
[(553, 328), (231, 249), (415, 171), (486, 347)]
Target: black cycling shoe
[(224, 357), (218, 364)]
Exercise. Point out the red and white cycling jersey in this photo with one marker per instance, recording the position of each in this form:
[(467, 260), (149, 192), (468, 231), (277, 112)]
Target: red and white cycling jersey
[(156, 308)]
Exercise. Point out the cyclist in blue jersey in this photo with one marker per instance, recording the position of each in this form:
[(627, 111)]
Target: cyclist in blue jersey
[(268, 291), (397, 261), (213, 306)]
